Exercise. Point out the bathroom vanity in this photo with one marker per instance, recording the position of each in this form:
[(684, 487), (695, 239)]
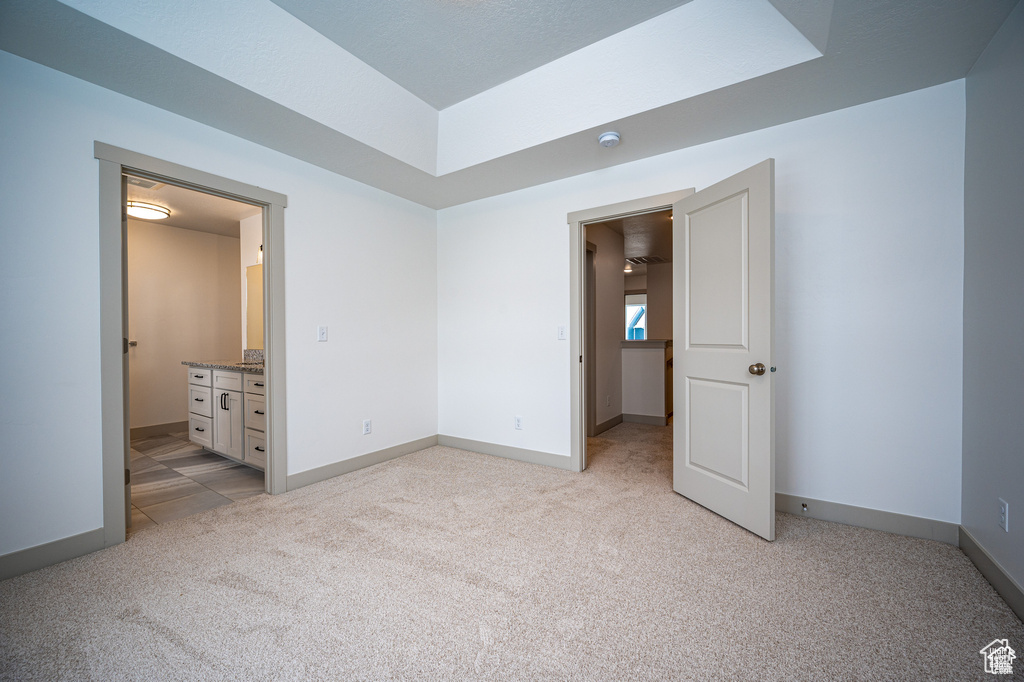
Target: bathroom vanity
[(227, 410)]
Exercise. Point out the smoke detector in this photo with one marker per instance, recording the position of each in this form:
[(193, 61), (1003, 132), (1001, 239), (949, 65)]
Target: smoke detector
[(609, 139)]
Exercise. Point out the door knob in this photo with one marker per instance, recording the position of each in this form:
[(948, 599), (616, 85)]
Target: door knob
[(757, 369)]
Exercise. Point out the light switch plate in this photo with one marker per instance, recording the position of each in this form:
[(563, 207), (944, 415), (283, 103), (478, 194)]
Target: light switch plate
[(321, 333)]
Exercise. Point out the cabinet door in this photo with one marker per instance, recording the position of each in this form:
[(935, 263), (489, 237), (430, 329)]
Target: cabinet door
[(227, 424)]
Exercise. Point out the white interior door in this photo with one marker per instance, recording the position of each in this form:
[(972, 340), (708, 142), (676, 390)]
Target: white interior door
[(723, 300)]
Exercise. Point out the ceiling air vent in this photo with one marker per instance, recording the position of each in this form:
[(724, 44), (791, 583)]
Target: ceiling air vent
[(647, 260), (143, 183)]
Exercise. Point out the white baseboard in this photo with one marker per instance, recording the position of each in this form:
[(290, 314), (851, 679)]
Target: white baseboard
[(40, 556), (508, 452), (890, 522), (345, 466)]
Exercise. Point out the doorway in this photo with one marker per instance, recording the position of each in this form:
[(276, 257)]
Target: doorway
[(194, 282), (114, 164), (723, 452), (584, 399)]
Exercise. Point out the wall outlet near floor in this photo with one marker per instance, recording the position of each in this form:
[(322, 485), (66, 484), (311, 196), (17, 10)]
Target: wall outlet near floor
[(321, 333), (519, 423), (1004, 515), (367, 427)]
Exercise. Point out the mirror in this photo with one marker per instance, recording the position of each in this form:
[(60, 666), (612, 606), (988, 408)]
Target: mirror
[(254, 306)]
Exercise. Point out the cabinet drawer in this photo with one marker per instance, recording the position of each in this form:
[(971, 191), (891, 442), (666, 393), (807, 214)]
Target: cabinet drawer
[(200, 376), (254, 384), (255, 412), (227, 381), (200, 400), (255, 449), (200, 430)]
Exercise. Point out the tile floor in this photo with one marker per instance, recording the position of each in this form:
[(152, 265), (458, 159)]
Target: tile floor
[(173, 478)]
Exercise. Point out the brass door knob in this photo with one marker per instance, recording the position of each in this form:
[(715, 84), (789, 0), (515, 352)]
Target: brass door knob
[(757, 369)]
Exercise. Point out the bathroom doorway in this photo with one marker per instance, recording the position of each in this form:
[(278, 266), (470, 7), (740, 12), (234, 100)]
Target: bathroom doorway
[(194, 289)]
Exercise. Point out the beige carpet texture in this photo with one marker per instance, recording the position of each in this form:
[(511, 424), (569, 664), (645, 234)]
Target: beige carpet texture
[(451, 565)]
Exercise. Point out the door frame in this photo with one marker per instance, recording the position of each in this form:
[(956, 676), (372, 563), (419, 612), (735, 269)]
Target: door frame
[(578, 358), (113, 162)]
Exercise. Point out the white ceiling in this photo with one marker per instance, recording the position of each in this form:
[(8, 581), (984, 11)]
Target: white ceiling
[(525, 85), (445, 52), (194, 210)]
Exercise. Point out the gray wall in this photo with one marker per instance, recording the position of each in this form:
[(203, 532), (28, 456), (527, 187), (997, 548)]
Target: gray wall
[(609, 260), (993, 445), (659, 301)]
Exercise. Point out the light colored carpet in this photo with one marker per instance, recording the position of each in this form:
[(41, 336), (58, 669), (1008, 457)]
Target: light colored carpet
[(452, 565)]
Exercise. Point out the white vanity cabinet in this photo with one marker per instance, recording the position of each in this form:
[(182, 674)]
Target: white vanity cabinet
[(255, 421), (227, 414), (200, 407)]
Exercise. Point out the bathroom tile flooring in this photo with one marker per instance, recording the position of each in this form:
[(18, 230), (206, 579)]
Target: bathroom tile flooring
[(173, 478)]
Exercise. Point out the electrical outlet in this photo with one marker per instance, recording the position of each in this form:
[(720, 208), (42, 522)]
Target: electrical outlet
[(519, 423), (607, 401), (562, 336), (367, 427), (321, 333), (1004, 515)]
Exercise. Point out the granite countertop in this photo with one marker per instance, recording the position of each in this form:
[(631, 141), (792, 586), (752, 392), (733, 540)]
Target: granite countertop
[(230, 365)]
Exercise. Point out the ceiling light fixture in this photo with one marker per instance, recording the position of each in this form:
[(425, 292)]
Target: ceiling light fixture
[(140, 209), (609, 139)]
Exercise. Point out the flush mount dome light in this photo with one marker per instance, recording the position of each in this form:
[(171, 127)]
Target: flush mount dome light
[(609, 139), (140, 209)]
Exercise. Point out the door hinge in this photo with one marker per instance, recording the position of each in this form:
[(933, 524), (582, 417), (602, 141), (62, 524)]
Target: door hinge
[(124, 346), (581, 358), (127, 476)]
